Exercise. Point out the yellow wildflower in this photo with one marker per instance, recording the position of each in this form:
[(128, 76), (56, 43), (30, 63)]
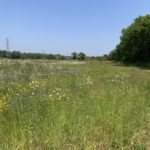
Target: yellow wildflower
[(3, 102)]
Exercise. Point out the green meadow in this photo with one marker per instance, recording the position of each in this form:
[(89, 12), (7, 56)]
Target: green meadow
[(71, 105)]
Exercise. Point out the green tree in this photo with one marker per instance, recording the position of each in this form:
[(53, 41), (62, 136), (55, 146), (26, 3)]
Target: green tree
[(135, 42), (74, 55), (82, 56), (15, 55)]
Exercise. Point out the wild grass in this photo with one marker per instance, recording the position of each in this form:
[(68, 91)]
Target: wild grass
[(47, 105)]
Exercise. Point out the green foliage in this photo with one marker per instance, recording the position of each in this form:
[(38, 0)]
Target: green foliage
[(19, 55), (15, 55), (82, 56), (74, 55), (135, 42), (99, 58), (78, 56)]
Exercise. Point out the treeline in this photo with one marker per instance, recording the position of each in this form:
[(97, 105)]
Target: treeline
[(100, 58), (20, 55), (74, 56)]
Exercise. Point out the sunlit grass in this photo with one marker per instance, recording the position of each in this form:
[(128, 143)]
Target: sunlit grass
[(57, 105)]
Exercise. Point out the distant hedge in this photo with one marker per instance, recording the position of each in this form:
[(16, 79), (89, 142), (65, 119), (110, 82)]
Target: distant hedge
[(19, 55)]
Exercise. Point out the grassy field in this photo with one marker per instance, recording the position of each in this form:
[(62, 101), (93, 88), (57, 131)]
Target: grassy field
[(61, 105)]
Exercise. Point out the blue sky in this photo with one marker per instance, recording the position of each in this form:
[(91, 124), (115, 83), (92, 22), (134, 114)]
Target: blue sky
[(64, 26)]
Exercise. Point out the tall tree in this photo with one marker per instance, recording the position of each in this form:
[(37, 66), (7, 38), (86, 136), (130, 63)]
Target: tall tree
[(135, 41)]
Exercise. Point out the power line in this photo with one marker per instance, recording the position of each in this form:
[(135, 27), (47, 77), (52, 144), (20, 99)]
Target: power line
[(7, 44)]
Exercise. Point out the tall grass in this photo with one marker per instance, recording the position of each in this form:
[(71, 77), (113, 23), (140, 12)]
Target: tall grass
[(71, 106)]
